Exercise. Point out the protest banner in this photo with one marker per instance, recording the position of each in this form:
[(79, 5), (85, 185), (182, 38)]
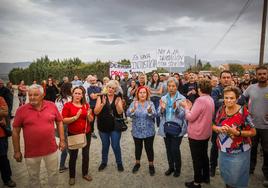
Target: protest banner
[(117, 69), (143, 63), (169, 58)]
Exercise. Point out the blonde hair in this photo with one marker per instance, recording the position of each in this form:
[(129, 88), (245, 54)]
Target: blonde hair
[(105, 79), (113, 83)]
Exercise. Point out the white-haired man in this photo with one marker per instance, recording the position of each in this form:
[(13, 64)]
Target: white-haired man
[(36, 119)]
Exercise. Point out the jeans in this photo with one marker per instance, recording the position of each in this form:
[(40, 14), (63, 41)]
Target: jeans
[(33, 167), (156, 102), (234, 168), (173, 151), (4, 162), (214, 151), (199, 152), (85, 159), (149, 147), (113, 138), (262, 137), (64, 153)]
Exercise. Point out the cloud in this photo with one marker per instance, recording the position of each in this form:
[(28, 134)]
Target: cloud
[(121, 27), (110, 42)]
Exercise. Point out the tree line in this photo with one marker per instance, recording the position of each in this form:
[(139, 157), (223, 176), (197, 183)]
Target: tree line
[(43, 67)]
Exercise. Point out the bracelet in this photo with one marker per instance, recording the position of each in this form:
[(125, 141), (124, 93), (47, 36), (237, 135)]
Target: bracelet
[(73, 118)]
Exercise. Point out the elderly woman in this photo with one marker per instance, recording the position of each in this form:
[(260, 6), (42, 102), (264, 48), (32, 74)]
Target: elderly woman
[(235, 127), (172, 125), (142, 111), (199, 130), (107, 108), (76, 114)]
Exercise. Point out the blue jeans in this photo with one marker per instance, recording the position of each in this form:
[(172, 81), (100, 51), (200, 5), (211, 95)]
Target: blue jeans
[(64, 153), (234, 168), (113, 138), (156, 102)]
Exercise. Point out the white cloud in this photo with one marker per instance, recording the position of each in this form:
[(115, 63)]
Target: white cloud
[(112, 30)]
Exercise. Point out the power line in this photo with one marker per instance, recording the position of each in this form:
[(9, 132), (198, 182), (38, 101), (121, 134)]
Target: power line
[(244, 8)]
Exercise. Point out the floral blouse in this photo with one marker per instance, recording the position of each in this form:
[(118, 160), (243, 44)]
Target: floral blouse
[(241, 121), (142, 121)]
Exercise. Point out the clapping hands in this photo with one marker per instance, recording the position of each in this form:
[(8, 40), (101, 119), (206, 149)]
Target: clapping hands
[(186, 104)]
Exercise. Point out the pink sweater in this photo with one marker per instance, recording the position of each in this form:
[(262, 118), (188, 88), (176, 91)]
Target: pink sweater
[(200, 118)]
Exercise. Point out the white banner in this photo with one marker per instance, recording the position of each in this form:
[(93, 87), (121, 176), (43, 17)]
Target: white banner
[(143, 63), (116, 69), (169, 58)]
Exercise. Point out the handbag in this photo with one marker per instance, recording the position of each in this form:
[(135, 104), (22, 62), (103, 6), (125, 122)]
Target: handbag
[(77, 141), (120, 124), (6, 127), (172, 128)]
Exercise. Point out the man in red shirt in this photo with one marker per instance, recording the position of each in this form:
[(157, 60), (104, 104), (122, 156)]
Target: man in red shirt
[(37, 121)]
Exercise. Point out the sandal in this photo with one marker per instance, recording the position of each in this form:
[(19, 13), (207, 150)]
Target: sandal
[(87, 177)]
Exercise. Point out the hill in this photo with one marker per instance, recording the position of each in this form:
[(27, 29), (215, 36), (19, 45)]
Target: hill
[(5, 68)]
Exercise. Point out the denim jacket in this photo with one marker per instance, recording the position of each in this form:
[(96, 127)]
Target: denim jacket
[(142, 121), (177, 116)]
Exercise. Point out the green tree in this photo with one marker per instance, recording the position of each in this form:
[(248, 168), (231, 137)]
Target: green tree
[(207, 66), (236, 68), (124, 62)]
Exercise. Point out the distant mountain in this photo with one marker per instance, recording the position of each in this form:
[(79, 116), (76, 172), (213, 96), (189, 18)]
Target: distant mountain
[(5, 68)]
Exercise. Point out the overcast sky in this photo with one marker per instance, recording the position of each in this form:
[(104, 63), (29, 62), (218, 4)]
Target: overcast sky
[(117, 29)]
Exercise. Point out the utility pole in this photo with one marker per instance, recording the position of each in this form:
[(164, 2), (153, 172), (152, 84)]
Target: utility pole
[(263, 32)]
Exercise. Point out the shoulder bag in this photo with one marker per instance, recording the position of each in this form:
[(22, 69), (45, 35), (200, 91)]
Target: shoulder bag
[(119, 123), (77, 141)]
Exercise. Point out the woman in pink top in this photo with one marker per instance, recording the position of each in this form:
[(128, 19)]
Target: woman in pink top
[(199, 118)]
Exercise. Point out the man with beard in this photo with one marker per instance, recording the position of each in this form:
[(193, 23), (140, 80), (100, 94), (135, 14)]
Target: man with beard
[(189, 89), (246, 82), (258, 108)]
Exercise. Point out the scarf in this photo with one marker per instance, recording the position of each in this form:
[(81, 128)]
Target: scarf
[(169, 108)]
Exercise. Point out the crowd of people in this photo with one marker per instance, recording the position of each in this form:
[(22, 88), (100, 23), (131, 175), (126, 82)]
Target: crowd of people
[(230, 112)]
